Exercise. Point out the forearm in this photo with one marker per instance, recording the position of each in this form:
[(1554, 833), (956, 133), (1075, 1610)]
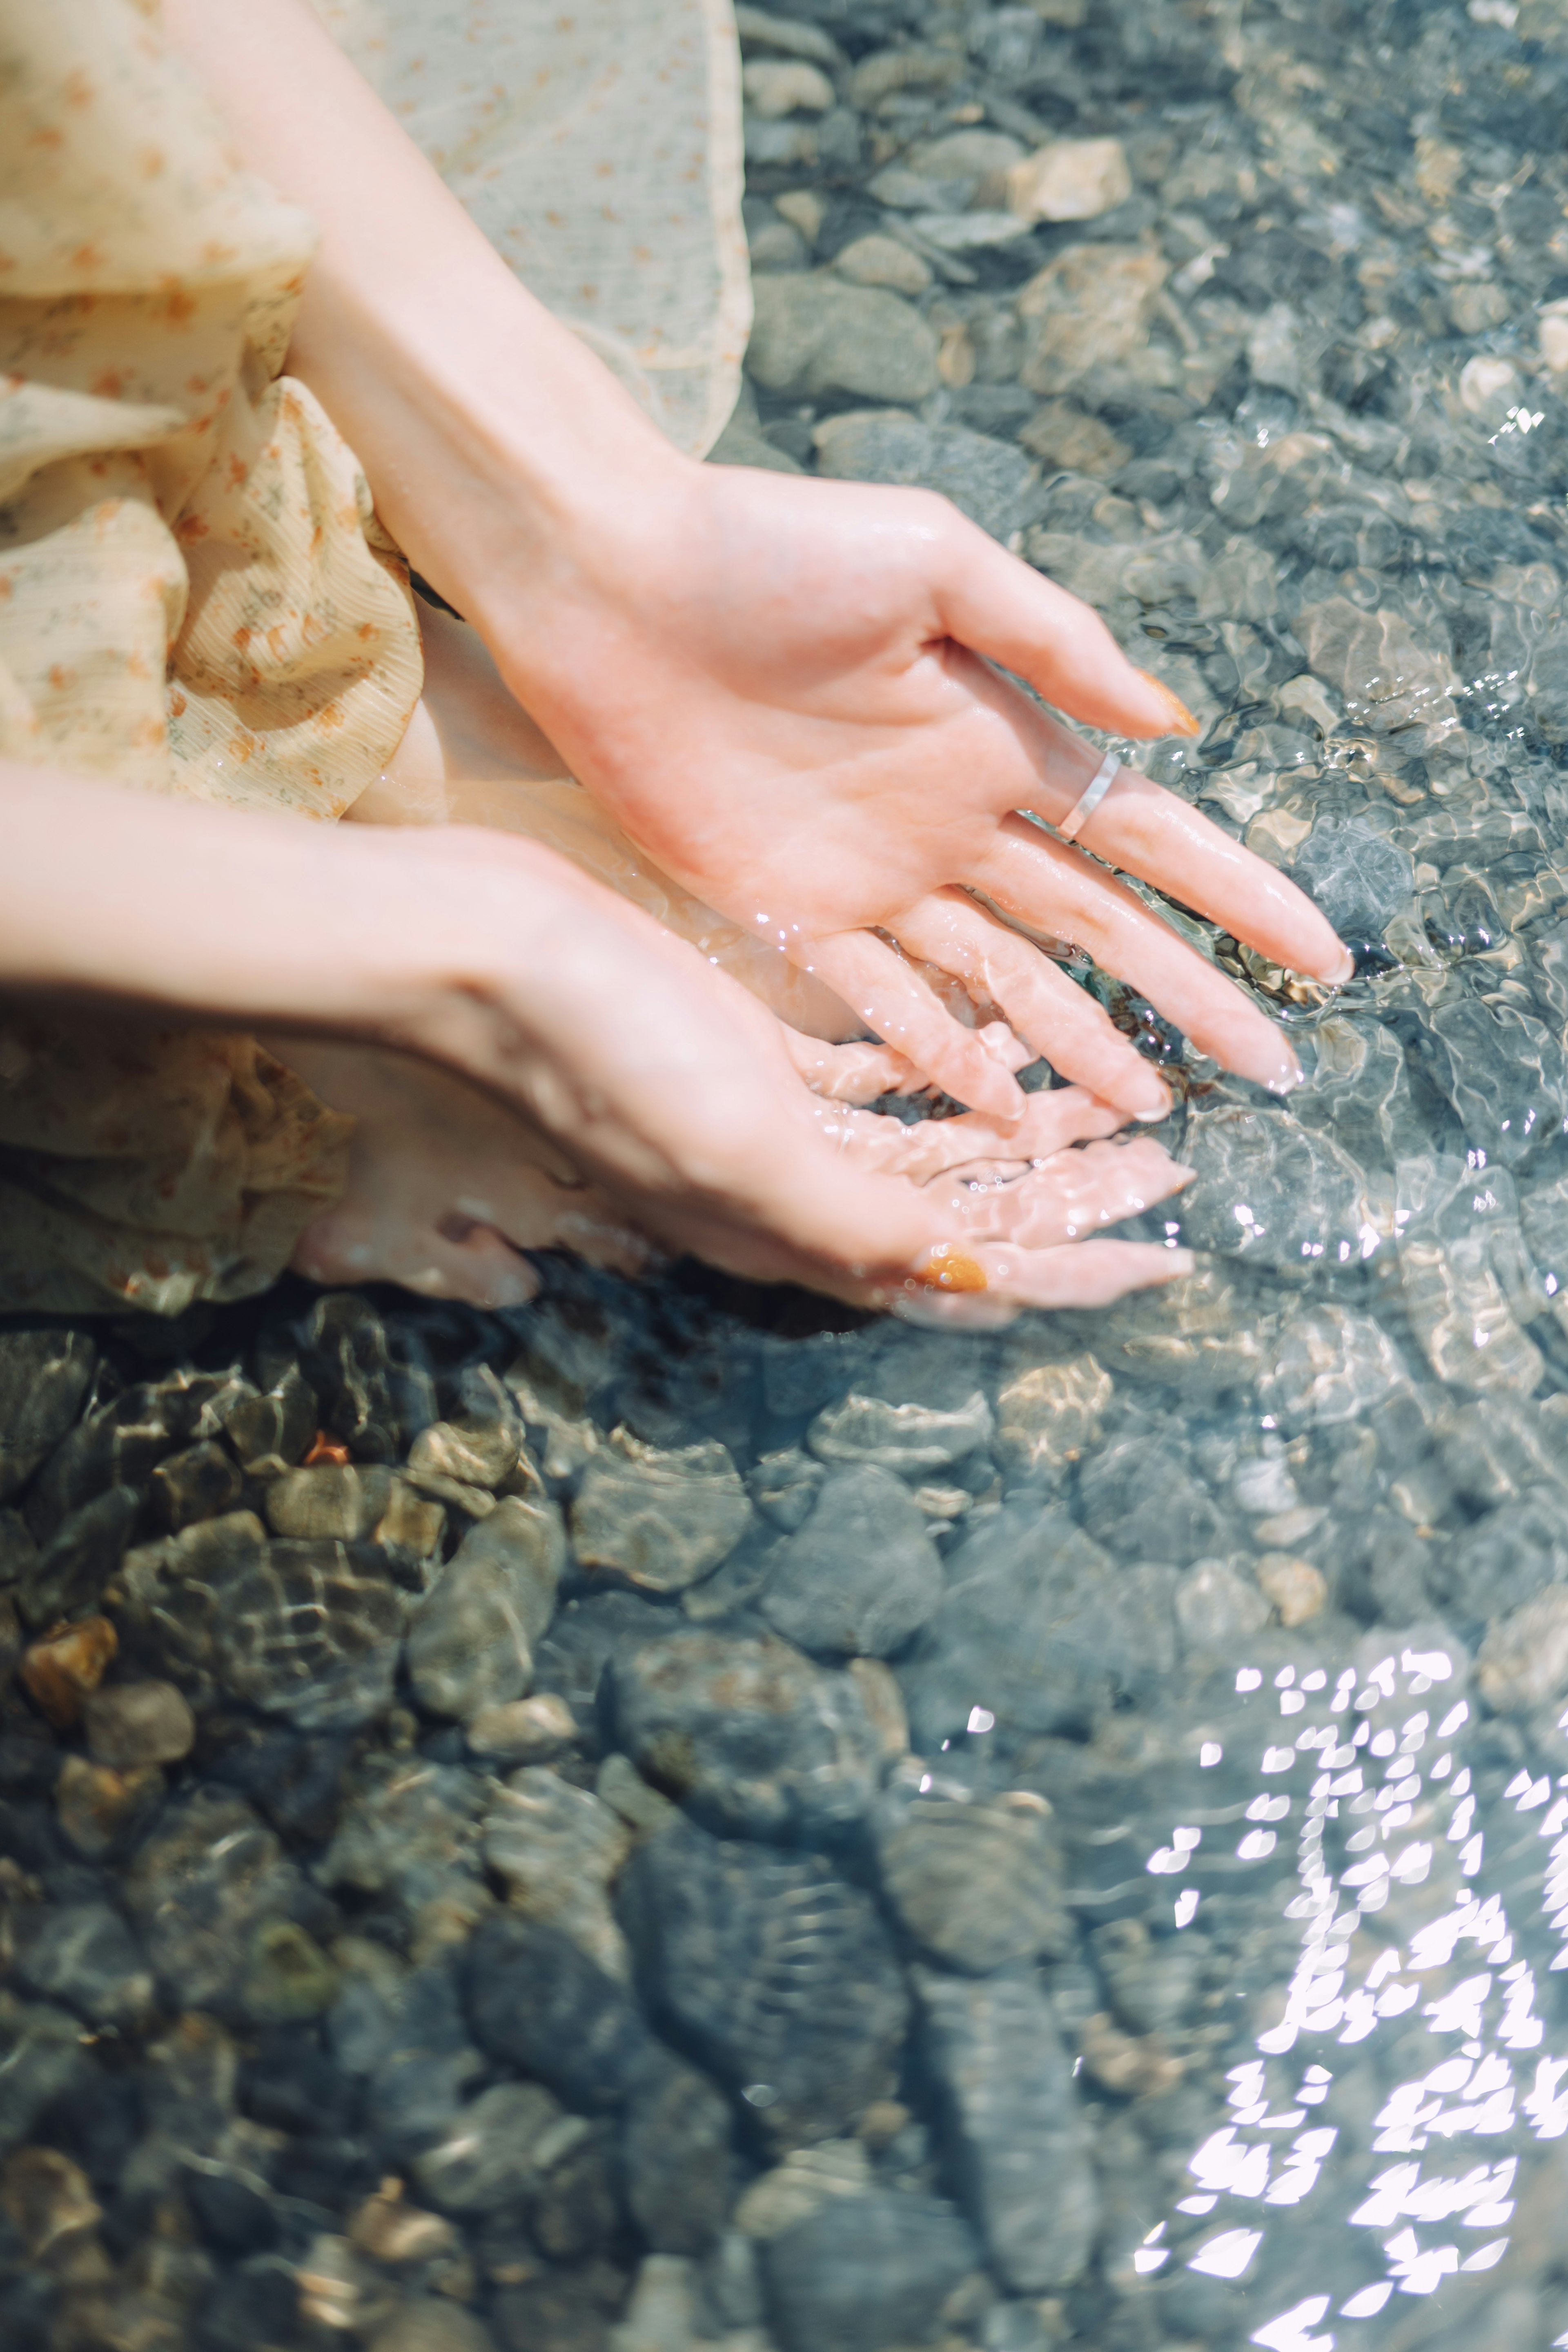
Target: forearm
[(494, 442), (204, 915)]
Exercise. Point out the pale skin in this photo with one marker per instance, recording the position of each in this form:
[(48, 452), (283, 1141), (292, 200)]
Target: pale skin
[(789, 695)]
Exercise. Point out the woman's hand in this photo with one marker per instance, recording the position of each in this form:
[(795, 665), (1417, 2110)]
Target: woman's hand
[(788, 692), (571, 1073)]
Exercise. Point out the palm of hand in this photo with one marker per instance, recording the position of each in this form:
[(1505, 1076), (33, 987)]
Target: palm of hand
[(793, 709)]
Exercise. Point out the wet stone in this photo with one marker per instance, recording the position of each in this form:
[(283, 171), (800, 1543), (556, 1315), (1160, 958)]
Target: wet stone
[(333, 1501), (44, 1375), (66, 1666), (1295, 1589), (814, 335), (478, 1453), (496, 2149), (864, 2272), (911, 1439), (976, 1881), (287, 1978), (1503, 1072), (18, 1552), (1271, 1190), (521, 1730), (990, 481), (1216, 1604), (1467, 1283), (77, 1563), (410, 1830), (1331, 1366), (201, 1482), (536, 2002), (311, 1631), (99, 1809), (1523, 1663), (1359, 877), (1020, 2142), (748, 1734), (85, 1956), (1139, 1500), (784, 1486), (557, 1849), (138, 1723), (1507, 1557), (659, 1519), (861, 1575), (676, 2159), (735, 1944), (198, 1889), (1049, 1415), (471, 1641), (271, 1430)]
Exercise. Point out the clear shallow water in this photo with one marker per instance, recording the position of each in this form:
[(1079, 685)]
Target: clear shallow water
[(1044, 1838)]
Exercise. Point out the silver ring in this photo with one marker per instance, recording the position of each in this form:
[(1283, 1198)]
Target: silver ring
[(1094, 792)]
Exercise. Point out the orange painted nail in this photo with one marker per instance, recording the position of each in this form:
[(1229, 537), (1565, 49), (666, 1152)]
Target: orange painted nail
[(1182, 719), (947, 1268)]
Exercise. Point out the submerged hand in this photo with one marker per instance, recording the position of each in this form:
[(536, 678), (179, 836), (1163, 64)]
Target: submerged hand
[(788, 693)]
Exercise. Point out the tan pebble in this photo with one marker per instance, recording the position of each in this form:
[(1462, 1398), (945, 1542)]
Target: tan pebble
[(774, 87), (138, 1723), (882, 2121), (877, 260), (47, 2199), (390, 2231), (96, 1805), (59, 1671), (1071, 179), (1130, 2064), (1554, 336), (1294, 1587), (805, 210), (521, 1730)]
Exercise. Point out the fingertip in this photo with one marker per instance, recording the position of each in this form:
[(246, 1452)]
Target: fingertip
[(1173, 716), (1179, 1262)]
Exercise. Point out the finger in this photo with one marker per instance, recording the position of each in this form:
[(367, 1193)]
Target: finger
[(906, 1013), (1148, 831), (850, 1074), (999, 607), (467, 1261), (1077, 1036), (1084, 1274), (931, 1147), (1078, 1194), (1050, 886)]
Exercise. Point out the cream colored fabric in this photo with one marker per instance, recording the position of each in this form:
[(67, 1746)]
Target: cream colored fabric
[(191, 603), (599, 149)]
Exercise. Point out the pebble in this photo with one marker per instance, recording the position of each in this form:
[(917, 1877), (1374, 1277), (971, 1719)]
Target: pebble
[(497, 2149), (432, 2324), (200, 1483), (861, 1575), (875, 260), (474, 1451), (748, 1734), (1522, 1662), (661, 1519), (44, 1375), (101, 1809), (911, 1439), (1062, 437), (1020, 2140), (976, 1881), (1071, 180), (558, 1848), (138, 1723), (521, 1730), (472, 1639), (1086, 309), (1295, 1591), (78, 1561), (865, 2272), (288, 1977), (774, 87), (309, 1631), (535, 2001), (814, 336), (63, 1669), (85, 1956), (1215, 1605), (1049, 1415), (676, 2156), (733, 1944)]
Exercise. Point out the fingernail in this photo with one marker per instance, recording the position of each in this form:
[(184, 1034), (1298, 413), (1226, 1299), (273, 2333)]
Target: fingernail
[(1344, 969), (1147, 1098), (947, 1268), (1181, 721), (1182, 1261)]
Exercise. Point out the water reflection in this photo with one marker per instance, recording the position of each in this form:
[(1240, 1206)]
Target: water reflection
[(1385, 1807)]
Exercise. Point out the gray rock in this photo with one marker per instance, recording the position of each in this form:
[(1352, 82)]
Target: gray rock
[(1523, 1662), (1028, 1634), (409, 1830), (557, 1849), (76, 1564), (471, 1640), (1504, 1073), (1152, 1980), (974, 1880), (1467, 1286), (410, 2039), (329, 1501), (311, 1631), (1140, 1501), (1358, 877), (85, 1956), (42, 2059), (535, 2001), (199, 1888), (476, 1451), (813, 335), (1048, 1415), (748, 1734), (909, 1438), (1218, 1606), (1271, 1190), (992, 482), (864, 2272), (1358, 1090), (1506, 1557), (523, 1731), (138, 1723), (271, 1430), (494, 2152), (120, 1444), (44, 1375), (1387, 680), (784, 1484), (675, 2160), (1019, 2140), (861, 1575), (1330, 1365), (659, 1519), (773, 1971), (202, 1482), (19, 1553)]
